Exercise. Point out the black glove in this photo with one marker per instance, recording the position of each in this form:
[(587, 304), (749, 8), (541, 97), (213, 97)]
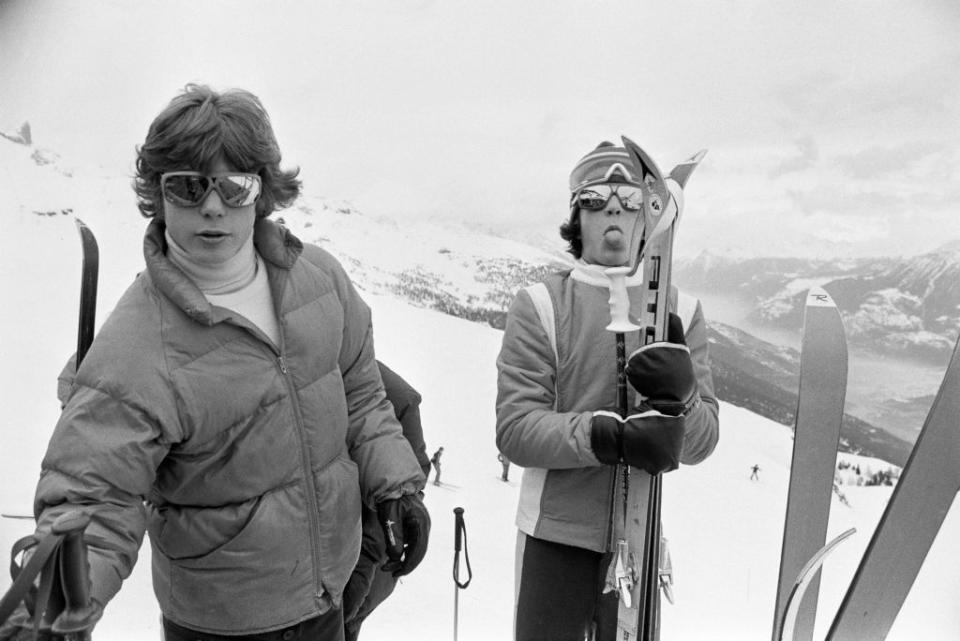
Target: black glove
[(371, 557), (406, 524), (651, 441), (662, 372)]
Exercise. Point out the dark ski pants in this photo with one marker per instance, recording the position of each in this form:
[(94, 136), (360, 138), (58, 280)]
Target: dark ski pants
[(381, 586), (559, 593), (326, 627)]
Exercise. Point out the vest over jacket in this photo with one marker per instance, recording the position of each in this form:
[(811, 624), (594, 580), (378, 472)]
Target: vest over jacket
[(546, 399), (246, 463)]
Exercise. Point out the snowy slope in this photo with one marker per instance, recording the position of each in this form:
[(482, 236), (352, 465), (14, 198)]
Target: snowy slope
[(724, 529)]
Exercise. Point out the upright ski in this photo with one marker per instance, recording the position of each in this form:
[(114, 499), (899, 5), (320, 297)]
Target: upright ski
[(823, 383), (88, 290), (917, 508), (636, 565)]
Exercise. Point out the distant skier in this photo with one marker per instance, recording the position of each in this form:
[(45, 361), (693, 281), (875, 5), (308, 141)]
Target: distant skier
[(435, 460), (550, 394), (231, 403), (505, 462), (753, 472)]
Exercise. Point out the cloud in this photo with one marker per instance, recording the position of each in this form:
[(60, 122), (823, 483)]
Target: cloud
[(880, 162), (806, 156)]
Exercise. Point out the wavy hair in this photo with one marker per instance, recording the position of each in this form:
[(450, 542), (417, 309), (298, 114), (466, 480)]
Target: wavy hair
[(570, 232), (199, 127)]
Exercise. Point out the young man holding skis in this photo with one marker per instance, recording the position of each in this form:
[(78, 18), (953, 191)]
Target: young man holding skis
[(557, 382), (231, 404)]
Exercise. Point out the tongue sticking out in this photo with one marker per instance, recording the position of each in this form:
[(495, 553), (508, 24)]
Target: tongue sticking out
[(614, 239)]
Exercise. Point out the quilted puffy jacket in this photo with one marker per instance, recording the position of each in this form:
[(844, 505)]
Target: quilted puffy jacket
[(247, 465)]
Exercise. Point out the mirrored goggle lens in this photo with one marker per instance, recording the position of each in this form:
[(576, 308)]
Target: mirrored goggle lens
[(238, 190), (597, 196), (189, 190)]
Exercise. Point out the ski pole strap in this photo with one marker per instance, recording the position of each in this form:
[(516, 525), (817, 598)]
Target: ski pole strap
[(23, 588), (62, 603), (460, 541), (19, 547)]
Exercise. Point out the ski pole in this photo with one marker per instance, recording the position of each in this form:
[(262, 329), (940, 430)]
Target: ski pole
[(621, 573), (459, 541)]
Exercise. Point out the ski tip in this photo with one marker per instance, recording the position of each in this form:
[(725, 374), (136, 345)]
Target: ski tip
[(804, 578), (681, 173), (818, 297), (648, 168)]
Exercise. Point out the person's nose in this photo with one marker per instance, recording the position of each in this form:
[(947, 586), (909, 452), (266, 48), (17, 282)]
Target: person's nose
[(212, 206), (613, 208)]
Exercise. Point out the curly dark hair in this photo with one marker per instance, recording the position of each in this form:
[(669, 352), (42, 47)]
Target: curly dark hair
[(199, 127), (570, 232)]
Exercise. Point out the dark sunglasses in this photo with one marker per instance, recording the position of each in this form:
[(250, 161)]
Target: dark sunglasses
[(595, 197), (190, 188)]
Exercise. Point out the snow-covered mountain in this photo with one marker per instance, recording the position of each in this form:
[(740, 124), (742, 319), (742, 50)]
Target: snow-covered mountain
[(895, 306), (764, 378), (724, 529), (435, 264)]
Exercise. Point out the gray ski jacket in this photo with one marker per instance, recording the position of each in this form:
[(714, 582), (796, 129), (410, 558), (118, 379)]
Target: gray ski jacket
[(546, 396)]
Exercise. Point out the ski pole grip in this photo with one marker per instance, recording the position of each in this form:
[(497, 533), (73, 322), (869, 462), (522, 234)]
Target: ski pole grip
[(460, 542), (619, 300), (458, 529), (79, 613)]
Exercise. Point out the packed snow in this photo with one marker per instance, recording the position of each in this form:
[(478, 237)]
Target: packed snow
[(724, 529)]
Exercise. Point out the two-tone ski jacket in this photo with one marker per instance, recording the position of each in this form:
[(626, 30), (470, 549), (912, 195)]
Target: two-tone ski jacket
[(548, 387), (245, 463)]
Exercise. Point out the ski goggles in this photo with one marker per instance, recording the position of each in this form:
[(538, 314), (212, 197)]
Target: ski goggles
[(190, 188), (594, 197)]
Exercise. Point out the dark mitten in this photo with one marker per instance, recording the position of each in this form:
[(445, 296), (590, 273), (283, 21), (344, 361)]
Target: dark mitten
[(371, 557), (406, 524), (662, 372), (606, 437), (650, 441), (653, 441)]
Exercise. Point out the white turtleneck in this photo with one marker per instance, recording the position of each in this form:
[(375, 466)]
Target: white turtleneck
[(239, 284), (593, 274)]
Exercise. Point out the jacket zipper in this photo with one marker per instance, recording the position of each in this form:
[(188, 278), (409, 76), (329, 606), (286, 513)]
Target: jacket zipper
[(313, 510)]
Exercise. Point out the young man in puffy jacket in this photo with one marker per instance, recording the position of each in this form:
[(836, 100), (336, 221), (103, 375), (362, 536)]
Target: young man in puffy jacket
[(556, 385), (231, 404)]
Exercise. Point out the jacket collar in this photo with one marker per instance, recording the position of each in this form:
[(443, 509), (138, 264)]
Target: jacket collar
[(592, 274), (276, 245)]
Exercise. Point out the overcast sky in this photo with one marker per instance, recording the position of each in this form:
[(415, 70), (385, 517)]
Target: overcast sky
[(832, 127)]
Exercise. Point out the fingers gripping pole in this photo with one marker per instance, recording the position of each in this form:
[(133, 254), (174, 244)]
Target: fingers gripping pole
[(79, 613)]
